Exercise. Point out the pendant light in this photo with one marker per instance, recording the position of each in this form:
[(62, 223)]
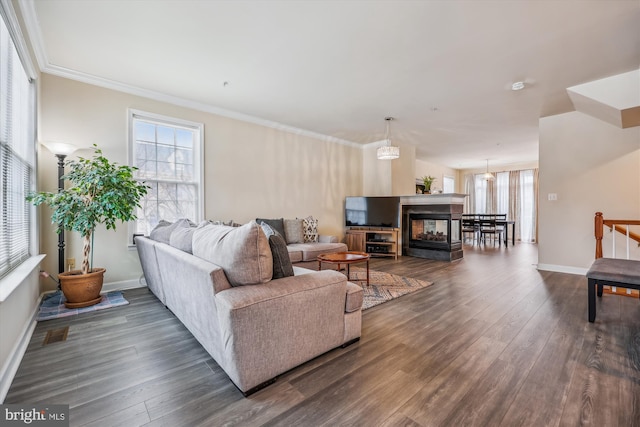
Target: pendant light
[(388, 151), (488, 176)]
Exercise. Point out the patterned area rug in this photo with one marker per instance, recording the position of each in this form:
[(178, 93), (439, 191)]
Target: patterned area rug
[(384, 287), (52, 306)]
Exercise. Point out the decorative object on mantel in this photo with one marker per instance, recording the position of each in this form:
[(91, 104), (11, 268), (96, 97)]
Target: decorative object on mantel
[(488, 176), (101, 192), (428, 180), (388, 151)]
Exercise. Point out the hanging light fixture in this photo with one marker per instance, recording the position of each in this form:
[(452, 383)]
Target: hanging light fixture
[(488, 176), (388, 151)]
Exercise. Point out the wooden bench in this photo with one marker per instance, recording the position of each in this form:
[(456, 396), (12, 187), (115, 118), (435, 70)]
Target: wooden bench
[(624, 273)]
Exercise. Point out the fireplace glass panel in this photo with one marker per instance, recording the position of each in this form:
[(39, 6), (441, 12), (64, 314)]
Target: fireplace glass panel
[(432, 230), (455, 230)]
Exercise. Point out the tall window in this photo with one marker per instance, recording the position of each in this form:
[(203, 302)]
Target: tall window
[(167, 153), (513, 193), (448, 184), (17, 154)]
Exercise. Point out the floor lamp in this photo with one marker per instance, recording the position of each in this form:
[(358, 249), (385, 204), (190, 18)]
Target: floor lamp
[(61, 150)]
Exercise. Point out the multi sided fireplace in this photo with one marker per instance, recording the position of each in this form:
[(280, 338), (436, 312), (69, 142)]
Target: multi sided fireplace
[(432, 232)]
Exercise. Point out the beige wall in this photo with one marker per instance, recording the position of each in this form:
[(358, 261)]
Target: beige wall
[(424, 168), (592, 166), (403, 171), (388, 177), (250, 170)]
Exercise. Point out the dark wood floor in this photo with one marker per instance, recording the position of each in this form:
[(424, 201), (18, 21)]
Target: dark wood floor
[(492, 342)]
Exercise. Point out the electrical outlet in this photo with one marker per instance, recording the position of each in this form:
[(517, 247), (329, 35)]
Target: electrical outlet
[(71, 264), (553, 197)]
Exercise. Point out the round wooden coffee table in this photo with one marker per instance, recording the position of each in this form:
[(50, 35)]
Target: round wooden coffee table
[(347, 258)]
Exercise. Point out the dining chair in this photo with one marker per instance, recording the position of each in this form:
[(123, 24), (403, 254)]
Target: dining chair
[(470, 226), (488, 226)]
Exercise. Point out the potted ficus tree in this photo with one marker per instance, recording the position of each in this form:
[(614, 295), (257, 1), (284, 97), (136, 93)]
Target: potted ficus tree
[(100, 192)]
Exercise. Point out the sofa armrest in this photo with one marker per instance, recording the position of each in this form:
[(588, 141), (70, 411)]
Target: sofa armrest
[(328, 239), (270, 328)]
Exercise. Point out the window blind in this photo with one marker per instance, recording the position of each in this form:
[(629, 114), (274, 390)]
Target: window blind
[(17, 154)]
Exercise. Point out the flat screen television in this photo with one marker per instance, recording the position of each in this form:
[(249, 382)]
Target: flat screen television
[(372, 211)]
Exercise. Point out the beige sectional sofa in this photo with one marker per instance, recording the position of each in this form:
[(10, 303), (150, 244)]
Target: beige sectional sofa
[(253, 326)]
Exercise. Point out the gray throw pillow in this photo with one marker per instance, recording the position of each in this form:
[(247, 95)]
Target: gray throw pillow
[(242, 252), (282, 266), (182, 238), (293, 231), (162, 231), (276, 223)]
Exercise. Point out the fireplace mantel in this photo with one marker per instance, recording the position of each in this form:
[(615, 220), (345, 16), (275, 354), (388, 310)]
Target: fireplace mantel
[(433, 199)]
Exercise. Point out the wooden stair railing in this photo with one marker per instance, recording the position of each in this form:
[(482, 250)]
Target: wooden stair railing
[(613, 224), (621, 226)]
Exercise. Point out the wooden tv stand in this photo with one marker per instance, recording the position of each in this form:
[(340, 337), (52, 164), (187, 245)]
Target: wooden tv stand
[(377, 242)]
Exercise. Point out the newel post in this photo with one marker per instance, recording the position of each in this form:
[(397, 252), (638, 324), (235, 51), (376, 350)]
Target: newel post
[(599, 225)]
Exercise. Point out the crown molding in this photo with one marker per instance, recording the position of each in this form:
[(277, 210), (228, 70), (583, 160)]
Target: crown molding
[(19, 41), (28, 11)]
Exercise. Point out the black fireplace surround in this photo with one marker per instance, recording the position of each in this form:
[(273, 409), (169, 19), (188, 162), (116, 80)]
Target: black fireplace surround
[(432, 231)]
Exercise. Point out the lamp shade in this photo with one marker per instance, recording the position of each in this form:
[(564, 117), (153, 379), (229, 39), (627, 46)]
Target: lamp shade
[(488, 176), (59, 148), (388, 152)]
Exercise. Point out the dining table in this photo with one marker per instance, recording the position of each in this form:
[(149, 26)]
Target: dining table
[(500, 219)]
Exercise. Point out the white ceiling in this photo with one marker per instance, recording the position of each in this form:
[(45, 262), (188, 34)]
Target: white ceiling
[(443, 69)]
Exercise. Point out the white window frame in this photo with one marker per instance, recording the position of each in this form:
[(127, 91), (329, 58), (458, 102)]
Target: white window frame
[(452, 180), (198, 152), (19, 273)]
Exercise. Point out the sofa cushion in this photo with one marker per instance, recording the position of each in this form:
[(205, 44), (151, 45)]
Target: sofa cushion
[(162, 231), (355, 297), (276, 223), (181, 238), (310, 251), (281, 263), (295, 254), (293, 231), (242, 252)]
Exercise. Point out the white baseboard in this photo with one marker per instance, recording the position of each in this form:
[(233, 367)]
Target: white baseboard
[(123, 284), (563, 269), (10, 368)]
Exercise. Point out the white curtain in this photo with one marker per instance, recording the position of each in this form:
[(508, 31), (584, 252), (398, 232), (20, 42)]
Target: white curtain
[(469, 202), (481, 195), (514, 193), (527, 214)]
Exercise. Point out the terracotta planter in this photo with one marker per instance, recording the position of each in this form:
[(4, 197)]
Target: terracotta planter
[(82, 290)]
